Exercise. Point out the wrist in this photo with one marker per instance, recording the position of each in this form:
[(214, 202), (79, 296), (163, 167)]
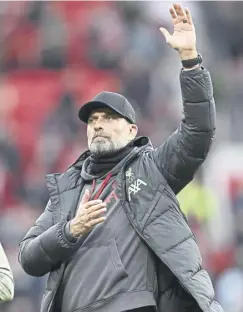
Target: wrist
[(68, 235), (194, 67), (188, 54), (72, 229)]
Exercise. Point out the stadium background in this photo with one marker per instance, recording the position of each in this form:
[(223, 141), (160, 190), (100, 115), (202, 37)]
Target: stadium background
[(56, 55)]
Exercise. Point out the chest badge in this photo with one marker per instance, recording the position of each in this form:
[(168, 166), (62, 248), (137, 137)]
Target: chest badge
[(135, 184)]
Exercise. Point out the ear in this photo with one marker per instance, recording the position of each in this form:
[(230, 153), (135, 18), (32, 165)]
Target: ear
[(133, 130)]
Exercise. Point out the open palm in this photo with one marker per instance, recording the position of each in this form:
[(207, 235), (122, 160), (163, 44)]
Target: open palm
[(184, 36)]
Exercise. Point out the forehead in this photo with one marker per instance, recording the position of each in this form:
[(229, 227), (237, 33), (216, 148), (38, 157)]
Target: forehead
[(102, 111)]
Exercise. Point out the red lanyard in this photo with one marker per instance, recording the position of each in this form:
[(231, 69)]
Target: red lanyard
[(103, 185)]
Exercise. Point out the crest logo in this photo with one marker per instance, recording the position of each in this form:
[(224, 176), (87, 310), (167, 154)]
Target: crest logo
[(135, 187), (130, 175)]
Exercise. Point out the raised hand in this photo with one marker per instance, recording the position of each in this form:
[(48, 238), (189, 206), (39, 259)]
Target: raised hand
[(183, 38)]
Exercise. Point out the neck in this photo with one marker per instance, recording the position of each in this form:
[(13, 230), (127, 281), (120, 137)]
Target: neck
[(101, 164)]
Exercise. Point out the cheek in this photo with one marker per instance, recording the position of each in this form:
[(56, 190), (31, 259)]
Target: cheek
[(89, 134), (119, 132)]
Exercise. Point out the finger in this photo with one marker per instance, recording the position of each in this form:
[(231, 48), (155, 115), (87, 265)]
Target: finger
[(174, 16), (85, 197), (95, 207), (188, 16), (166, 34), (93, 222), (88, 204), (97, 214), (92, 203), (180, 12)]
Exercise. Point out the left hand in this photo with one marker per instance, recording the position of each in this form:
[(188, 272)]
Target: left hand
[(184, 36)]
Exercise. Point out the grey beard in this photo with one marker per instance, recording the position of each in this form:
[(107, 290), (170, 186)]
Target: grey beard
[(101, 148)]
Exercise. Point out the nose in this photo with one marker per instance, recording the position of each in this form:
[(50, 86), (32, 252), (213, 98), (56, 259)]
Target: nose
[(98, 125)]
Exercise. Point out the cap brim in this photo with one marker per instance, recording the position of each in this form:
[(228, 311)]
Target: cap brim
[(88, 107)]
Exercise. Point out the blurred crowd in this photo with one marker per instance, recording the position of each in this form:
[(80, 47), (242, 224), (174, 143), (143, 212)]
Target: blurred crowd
[(54, 56)]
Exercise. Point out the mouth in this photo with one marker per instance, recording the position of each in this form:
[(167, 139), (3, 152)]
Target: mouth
[(99, 137)]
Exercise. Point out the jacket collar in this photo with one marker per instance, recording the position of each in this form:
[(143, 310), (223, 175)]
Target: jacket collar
[(141, 142), (58, 183)]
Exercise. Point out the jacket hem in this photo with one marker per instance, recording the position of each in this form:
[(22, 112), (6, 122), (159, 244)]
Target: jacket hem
[(121, 302)]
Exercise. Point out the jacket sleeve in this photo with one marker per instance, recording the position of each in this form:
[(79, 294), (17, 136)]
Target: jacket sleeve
[(6, 278), (45, 246), (184, 151)]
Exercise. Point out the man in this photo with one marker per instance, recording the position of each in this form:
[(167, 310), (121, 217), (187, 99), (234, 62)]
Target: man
[(112, 235), (6, 278)]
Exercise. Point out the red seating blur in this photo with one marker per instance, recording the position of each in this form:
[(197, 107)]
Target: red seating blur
[(38, 92), (76, 15)]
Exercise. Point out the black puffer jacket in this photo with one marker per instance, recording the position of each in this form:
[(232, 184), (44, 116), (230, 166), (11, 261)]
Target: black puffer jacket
[(150, 204)]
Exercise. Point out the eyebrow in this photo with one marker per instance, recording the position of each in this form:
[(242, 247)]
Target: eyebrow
[(105, 114)]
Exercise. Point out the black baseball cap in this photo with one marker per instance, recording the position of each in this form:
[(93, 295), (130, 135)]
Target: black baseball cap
[(114, 101)]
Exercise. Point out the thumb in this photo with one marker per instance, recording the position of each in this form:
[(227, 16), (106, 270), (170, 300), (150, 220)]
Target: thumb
[(85, 197), (166, 34)]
